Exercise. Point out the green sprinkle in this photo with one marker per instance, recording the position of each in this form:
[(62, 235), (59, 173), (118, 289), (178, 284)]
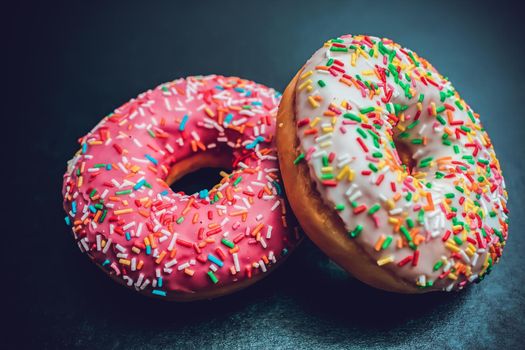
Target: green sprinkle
[(464, 128), (421, 216), (227, 243), (356, 231), (405, 233), (353, 116), (377, 155), (298, 159), (151, 133), (362, 133), (119, 193), (340, 207), (456, 149), (374, 209), (213, 277), (180, 220), (340, 49), (372, 167), (321, 83), (413, 124), (442, 121), (236, 182), (367, 110), (458, 240), (438, 265), (387, 242)]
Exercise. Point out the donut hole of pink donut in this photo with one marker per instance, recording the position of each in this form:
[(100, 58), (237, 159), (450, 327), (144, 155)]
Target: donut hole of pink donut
[(202, 174)]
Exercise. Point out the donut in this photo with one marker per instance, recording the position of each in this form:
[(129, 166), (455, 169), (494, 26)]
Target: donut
[(173, 245), (388, 170)]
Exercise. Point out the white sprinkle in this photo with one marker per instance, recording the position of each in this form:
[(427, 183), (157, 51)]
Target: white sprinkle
[(236, 262), (99, 242), (262, 265), (170, 263), (183, 266), (106, 247)]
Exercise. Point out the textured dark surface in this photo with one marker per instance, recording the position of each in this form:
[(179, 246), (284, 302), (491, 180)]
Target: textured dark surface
[(74, 63)]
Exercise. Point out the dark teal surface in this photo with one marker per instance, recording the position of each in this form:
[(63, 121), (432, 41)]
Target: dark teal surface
[(72, 63)]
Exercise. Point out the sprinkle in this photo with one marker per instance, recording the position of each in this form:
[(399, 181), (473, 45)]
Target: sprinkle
[(299, 158), (215, 260), (151, 159), (183, 122), (386, 260), (212, 277), (158, 292)]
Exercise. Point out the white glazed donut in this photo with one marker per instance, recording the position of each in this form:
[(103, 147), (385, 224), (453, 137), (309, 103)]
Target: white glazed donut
[(388, 170)]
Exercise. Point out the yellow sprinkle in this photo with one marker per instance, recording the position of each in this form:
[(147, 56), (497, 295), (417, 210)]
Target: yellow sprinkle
[(386, 260), (343, 172), (469, 252), (433, 108), (306, 74), (314, 122), (392, 220), (457, 227), (209, 112), (451, 246), (124, 262), (452, 276), (304, 83), (313, 102), (327, 169), (123, 211), (351, 175)]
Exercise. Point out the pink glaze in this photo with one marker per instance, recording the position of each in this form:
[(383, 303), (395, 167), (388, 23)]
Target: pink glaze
[(128, 220)]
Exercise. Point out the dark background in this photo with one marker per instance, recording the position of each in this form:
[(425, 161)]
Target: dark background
[(72, 63)]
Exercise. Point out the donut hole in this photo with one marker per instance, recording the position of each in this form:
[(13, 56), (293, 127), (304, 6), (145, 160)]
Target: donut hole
[(197, 173), (405, 155), (198, 180)]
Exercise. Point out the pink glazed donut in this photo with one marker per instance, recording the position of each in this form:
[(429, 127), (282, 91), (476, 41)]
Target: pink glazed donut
[(176, 246)]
